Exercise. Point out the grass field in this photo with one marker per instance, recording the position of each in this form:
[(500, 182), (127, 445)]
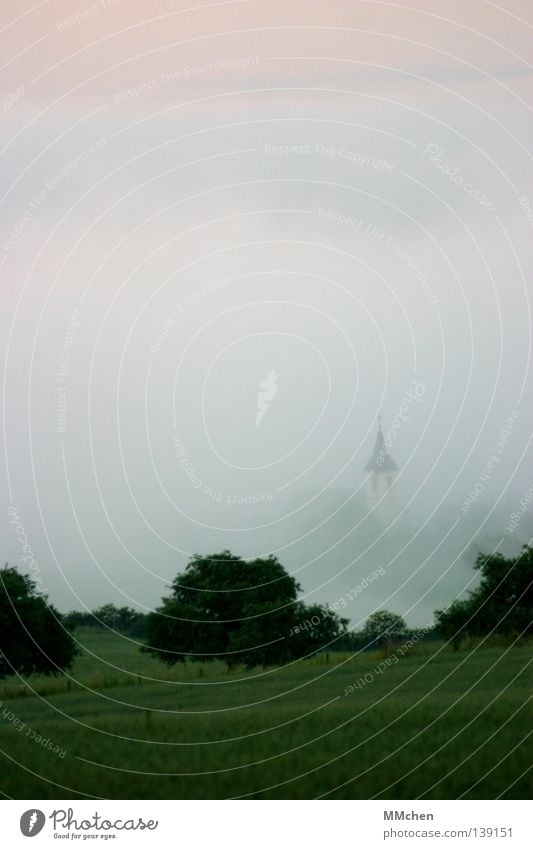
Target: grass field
[(436, 724)]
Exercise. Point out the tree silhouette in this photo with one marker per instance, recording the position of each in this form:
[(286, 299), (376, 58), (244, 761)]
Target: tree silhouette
[(502, 603), (239, 611), (33, 637)]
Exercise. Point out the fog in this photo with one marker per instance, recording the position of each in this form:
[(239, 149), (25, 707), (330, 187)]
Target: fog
[(311, 235)]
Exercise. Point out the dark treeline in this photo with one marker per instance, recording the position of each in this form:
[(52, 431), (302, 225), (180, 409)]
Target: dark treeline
[(126, 620), (248, 612)]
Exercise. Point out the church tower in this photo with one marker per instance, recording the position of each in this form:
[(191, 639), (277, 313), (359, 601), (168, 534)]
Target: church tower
[(382, 471)]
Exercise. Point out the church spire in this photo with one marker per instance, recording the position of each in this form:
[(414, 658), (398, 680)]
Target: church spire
[(380, 460)]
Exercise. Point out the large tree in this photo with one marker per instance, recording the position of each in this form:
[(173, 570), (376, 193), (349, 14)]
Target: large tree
[(33, 637), (239, 611), (502, 603)]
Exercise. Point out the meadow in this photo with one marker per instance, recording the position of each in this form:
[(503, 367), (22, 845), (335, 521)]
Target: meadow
[(434, 724)]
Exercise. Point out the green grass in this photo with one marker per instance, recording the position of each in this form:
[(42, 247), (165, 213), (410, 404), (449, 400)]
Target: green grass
[(437, 724)]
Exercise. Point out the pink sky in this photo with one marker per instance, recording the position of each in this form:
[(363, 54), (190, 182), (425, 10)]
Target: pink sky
[(114, 45)]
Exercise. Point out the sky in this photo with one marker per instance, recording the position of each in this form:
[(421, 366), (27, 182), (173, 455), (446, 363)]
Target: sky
[(321, 213)]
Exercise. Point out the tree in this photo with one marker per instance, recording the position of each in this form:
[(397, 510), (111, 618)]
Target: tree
[(239, 611), (383, 628), (33, 637), (501, 604)]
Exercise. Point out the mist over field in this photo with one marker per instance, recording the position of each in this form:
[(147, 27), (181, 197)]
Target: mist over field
[(257, 210), (265, 351)]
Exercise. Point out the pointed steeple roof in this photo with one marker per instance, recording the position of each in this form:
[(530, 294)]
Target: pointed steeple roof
[(381, 460)]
